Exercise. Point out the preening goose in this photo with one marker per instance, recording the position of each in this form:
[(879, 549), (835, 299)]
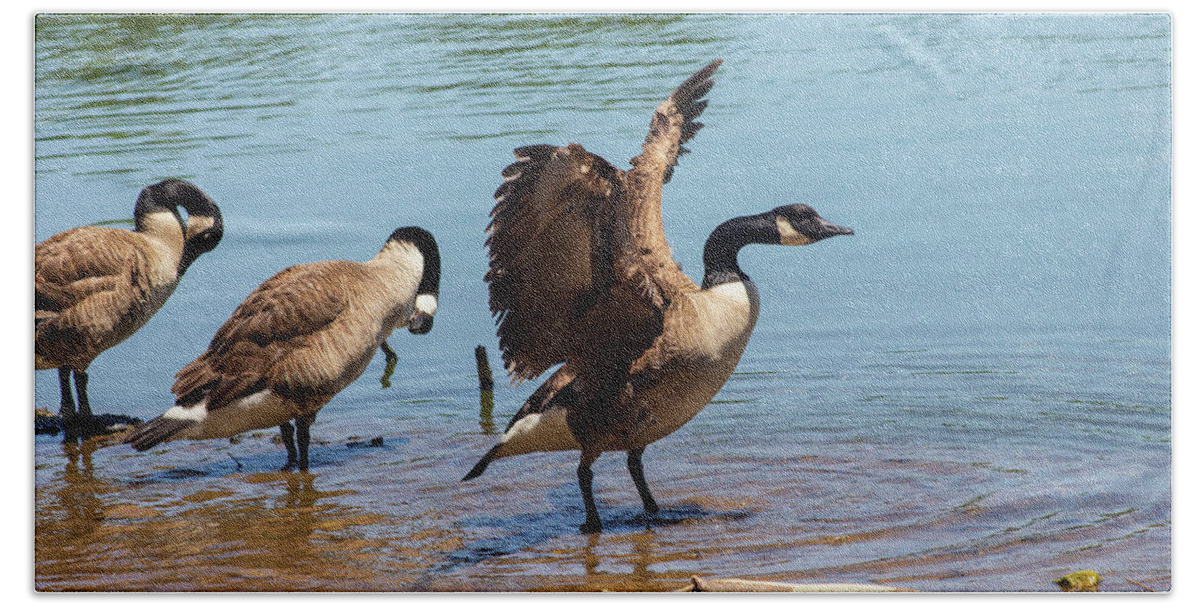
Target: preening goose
[(581, 274), (95, 286), (296, 341)]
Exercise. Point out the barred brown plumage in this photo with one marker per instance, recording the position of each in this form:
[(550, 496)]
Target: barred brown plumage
[(581, 274), (296, 341)]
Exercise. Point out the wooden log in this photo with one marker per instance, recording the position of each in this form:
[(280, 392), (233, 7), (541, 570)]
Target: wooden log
[(738, 585), (390, 359)]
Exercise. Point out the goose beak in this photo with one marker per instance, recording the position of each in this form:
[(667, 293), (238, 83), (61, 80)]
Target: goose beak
[(420, 323), (829, 229)]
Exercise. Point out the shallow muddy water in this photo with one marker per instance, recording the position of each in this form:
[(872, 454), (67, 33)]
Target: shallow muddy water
[(971, 393)]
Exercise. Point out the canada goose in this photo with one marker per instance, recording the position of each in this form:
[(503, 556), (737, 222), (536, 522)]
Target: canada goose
[(581, 274), (296, 341), (95, 286)]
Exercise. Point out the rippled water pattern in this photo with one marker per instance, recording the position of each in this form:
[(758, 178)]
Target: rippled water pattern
[(971, 393)]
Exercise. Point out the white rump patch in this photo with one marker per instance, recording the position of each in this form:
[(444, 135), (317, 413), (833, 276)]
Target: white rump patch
[(191, 413), (261, 410), (545, 432)]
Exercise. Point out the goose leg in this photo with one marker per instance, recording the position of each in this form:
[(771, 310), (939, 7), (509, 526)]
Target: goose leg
[(592, 523), (68, 419), (287, 431), (302, 425), (66, 408), (85, 408), (639, 479)]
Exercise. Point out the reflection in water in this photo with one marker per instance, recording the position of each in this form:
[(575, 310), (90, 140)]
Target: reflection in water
[(212, 538), (487, 425), (82, 509), (390, 359)]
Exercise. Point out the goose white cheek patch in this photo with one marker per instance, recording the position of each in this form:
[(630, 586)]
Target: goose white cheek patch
[(789, 235), (197, 224), (426, 303)]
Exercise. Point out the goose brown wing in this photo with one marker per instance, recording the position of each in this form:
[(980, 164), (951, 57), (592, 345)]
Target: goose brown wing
[(673, 125), (275, 339), (73, 265), (550, 252), (644, 255), (580, 268), (88, 284), (633, 317)]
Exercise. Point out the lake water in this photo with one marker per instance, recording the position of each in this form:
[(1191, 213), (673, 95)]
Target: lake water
[(971, 393)]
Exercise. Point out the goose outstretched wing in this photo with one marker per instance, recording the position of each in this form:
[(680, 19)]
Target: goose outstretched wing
[(580, 271)]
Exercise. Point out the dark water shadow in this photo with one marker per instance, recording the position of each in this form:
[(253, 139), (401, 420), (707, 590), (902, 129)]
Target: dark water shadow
[(528, 530), (320, 456)]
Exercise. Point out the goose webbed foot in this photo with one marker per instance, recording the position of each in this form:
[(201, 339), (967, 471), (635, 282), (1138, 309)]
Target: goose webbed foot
[(75, 412), (591, 527), (80, 426)]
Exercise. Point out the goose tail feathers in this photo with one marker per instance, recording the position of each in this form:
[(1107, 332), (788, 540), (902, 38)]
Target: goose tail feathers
[(156, 431), (483, 463)]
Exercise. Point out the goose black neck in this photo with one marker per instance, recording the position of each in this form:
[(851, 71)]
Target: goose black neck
[(431, 272), (721, 248)]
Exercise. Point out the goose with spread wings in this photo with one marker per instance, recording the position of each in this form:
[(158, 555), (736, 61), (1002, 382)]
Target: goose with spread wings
[(581, 275)]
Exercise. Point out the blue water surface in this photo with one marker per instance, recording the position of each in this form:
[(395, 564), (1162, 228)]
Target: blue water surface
[(995, 338)]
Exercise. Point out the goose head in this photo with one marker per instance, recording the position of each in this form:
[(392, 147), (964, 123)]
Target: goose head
[(426, 300), (801, 225), (204, 227), (156, 208), (786, 225)]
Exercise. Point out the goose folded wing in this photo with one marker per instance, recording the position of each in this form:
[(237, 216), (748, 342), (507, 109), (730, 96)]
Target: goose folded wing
[(277, 338), (72, 266), (85, 292)]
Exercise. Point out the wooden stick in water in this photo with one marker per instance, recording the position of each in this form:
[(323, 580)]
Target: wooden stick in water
[(483, 368), (390, 366), (486, 395)]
